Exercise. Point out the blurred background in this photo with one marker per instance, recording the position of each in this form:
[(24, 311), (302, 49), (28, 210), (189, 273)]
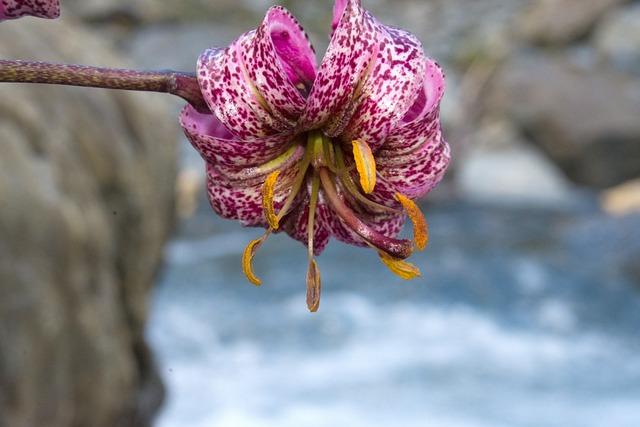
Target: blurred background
[(122, 301)]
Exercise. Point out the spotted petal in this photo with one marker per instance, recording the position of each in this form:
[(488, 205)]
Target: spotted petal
[(281, 64), (230, 95), (256, 85), (217, 145), (345, 64), (415, 156), (419, 122), (396, 74), (416, 173), (13, 9), (240, 199)]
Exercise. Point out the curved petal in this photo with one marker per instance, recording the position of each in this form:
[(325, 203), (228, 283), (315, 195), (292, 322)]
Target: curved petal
[(343, 67), (416, 173), (217, 145), (12, 9), (397, 72), (281, 63), (422, 118), (415, 156), (242, 200), (230, 94)]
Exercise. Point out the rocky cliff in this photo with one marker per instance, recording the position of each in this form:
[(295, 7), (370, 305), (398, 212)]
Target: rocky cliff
[(86, 196)]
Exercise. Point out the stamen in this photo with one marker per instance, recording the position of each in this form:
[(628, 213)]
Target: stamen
[(398, 248), (313, 273), (313, 286), (420, 228), (401, 268), (365, 164), (350, 186), (268, 191), (247, 258)]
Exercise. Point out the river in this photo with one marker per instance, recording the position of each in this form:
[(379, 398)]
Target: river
[(524, 317)]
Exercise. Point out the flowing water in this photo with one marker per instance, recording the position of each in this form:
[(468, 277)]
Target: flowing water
[(523, 317)]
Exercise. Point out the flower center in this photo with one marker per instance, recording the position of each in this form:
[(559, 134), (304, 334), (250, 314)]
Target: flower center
[(327, 167)]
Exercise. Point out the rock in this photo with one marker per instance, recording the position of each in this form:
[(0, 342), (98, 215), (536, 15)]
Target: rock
[(585, 120), (440, 24), (617, 38), (158, 11), (189, 187), (501, 169), (560, 22), (149, 45), (87, 194), (623, 199)]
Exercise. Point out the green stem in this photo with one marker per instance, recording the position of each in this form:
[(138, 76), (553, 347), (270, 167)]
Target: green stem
[(184, 85)]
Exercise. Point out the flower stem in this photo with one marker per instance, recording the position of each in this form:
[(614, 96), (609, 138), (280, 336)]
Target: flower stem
[(184, 85)]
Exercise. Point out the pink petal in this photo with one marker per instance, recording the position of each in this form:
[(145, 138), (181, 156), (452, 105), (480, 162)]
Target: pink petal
[(281, 64), (12, 9), (230, 94), (391, 87), (415, 156), (415, 173), (338, 9), (217, 145), (419, 122), (344, 66), (241, 200)]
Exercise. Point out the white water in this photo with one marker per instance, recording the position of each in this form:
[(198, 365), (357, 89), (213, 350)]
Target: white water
[(379, 354)]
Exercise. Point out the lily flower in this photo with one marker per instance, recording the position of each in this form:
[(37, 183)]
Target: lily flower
[(337, 150), (13, 9)]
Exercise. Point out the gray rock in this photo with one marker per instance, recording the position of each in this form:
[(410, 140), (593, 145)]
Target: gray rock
[(87, 193), (618, 38), (440, 24), (622, 199), (502, 169), (559, 22), (155, 11), (585, 120), (148, 47)]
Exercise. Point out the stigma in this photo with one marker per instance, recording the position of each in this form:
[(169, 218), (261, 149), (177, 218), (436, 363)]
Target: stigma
[(326, 170)]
